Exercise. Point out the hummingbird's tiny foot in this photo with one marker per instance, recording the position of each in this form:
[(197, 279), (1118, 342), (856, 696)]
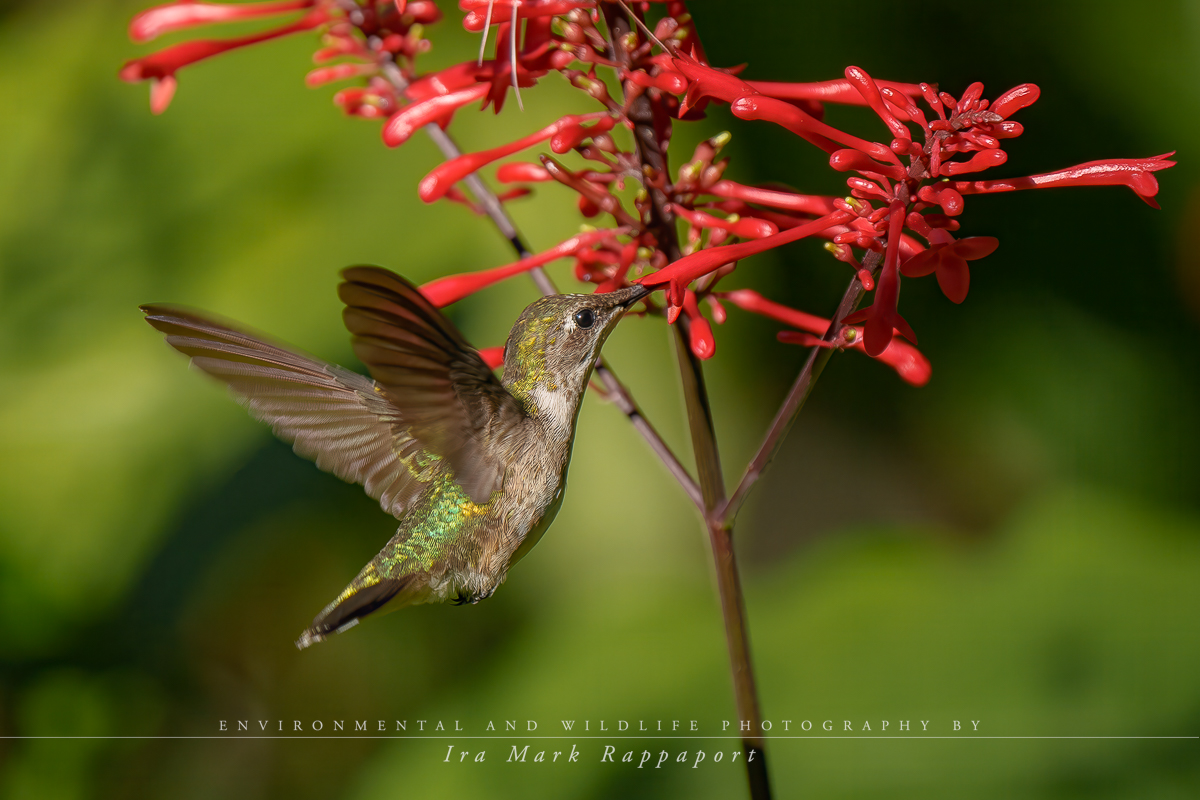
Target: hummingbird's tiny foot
[(464, 598)]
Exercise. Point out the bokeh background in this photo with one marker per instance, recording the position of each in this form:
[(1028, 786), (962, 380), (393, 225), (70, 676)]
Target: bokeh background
[(1017, 543)]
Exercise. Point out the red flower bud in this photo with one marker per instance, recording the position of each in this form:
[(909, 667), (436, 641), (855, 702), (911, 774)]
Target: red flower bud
[(408, 120), (570, 134), (443, 176), (700, 334), (522, 172), (984, 159), (1015, 99), (942, 195), (666, 80), (338, 72), (746, 227)]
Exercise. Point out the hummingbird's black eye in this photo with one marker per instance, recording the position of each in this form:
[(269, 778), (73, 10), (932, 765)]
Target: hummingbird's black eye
[(585, 318)]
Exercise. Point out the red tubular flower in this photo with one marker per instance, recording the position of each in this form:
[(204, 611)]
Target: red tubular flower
[(696, 265), (881, 317), (817, 205), (949, 259), (161, 67), (460, 76), (836, 91), (445, 175), (700, 334), (444, 291), (846, 160), (1136, 173), (910, 364), (747, 103), (154, 22), (707, 81), (410, 119), (493, 356), (807, 127), (866, 87)]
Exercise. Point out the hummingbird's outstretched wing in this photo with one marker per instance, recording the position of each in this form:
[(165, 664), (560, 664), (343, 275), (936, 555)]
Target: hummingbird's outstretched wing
[(333, 416), (447, 396)]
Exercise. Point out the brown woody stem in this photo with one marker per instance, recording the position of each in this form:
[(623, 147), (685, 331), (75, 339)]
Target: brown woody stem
[(661, 222)]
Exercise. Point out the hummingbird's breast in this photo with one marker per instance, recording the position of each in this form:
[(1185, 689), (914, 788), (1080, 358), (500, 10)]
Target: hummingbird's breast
[(464, 549)]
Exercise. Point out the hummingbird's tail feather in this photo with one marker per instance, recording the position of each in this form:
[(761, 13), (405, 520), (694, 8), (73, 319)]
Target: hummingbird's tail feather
[(358, 600)]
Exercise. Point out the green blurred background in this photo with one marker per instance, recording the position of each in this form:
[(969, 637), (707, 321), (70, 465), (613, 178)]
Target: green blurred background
[(1017, 543)]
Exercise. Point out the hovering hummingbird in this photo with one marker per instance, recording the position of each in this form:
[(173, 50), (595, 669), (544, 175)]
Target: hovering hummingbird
[(472, 466)]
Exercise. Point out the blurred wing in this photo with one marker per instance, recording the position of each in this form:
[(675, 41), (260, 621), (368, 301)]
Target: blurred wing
[(447, 396), (335, 417)]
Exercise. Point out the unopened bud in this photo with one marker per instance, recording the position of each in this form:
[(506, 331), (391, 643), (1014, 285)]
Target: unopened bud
[(720, 140)]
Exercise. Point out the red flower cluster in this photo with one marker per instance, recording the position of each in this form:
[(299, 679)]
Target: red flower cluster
[(899, 219), (901, 188), (367, 36)]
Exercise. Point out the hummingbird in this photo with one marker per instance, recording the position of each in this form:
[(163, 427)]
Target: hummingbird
[(474, 467)]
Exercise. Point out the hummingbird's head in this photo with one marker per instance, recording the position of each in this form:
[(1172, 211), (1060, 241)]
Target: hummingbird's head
[(555, 341)]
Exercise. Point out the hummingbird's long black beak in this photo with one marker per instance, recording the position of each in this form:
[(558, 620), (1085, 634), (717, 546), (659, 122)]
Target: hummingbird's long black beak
[(636, 292)]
